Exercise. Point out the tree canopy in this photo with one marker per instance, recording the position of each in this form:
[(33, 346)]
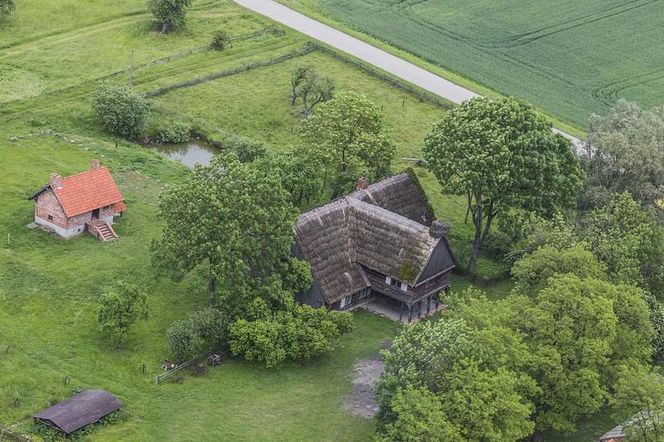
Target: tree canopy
[(495, 152), (169, 13), (120, 307), (348, 139), (120, 110), (625, 153), (309, 87), (477, 397), (233, 218)]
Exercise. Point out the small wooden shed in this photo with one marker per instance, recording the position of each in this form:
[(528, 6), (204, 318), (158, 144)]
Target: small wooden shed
[(82, 409)]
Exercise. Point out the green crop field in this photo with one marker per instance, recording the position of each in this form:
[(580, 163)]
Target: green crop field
[(570, 58)]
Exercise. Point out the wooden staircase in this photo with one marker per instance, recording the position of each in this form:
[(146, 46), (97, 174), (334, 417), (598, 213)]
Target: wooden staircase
[(102, 230)]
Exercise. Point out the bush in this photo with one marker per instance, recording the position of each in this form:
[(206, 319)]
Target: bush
[(7, 7), (299, 334), (174, 133), (220, 40), (120, 110), (203, 332)]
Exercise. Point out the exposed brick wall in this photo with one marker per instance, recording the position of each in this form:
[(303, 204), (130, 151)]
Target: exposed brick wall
[(48, 205)]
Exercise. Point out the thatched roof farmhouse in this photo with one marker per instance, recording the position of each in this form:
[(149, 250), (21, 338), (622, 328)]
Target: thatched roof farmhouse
[(381, 240)]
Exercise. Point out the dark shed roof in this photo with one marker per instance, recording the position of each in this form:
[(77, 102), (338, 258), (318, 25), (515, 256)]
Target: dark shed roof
[(80, 410)]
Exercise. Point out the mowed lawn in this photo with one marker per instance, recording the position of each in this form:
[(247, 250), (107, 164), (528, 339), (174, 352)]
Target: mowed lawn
[(569, 58)]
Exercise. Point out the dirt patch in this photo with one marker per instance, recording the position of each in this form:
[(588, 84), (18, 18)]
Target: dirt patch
[(365, 374)]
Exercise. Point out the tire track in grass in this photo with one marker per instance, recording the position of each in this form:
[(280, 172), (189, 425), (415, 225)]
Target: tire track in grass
[(609, 91)]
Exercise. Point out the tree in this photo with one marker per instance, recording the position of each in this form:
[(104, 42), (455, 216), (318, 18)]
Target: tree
[(297, 334), (625, 153), (495, 152), (120, 110), (629, 241), (347, 137), (169, 13), (418, 416), (577, 331), (203, 332), (533, 271), (300, 175), (120, 307), (657, 320), (465, 369), (7, 7), (233, 218), (639, 395), (310, 87)]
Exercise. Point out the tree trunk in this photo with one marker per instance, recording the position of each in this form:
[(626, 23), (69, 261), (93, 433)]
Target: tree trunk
[(164, 27), (474, 254), (212, 287)]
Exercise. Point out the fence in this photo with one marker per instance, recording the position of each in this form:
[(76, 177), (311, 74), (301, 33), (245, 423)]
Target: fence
[(233, 71), (394, 81), (171, 373), (272, 29)]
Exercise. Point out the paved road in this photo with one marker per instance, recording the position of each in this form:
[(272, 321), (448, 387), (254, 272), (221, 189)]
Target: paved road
[(368, 53)]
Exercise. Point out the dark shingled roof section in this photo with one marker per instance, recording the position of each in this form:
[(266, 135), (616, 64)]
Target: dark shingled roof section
[(82, 409), (376, 228)]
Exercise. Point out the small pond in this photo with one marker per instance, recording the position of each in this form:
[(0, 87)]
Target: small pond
[(189, 154)]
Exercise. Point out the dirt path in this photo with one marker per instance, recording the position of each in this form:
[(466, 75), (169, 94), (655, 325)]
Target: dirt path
[(368, 53)]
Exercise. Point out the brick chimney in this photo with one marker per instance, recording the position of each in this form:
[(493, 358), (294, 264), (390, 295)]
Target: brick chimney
[(94, 164), (56, 181), (362, 183), (439, 229)]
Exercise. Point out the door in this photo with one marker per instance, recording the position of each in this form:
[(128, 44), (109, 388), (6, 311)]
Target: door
[(95, 214)]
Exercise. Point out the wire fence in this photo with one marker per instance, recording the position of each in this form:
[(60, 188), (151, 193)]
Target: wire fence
[(307, 49), (271, 30), (172, 372)]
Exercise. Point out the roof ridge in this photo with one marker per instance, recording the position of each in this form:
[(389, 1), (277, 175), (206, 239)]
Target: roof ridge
[(84, 172)]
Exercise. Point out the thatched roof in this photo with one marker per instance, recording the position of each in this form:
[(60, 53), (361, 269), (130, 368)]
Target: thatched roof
[(400, 194), (340, 238), (82, 409)]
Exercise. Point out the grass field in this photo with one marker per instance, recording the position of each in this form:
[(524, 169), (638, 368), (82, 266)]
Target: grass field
[(53, 54), (569, 58)]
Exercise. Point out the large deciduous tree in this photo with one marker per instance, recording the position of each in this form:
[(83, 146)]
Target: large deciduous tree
[(348, 138), (578, 330), (169, 13), (629, 241), (233, 218), (500, 154), (477, 395), (625, 153)]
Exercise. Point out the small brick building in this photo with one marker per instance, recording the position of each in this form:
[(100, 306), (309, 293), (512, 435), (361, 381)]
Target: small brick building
[(88, 201)]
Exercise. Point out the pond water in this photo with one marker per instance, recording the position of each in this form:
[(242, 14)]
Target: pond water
[(189, 154)]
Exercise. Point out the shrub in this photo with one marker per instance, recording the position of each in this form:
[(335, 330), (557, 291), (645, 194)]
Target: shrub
[(297, 335), (174, 133), (220, 40), (120, 110), (7, 7), (204, 331)]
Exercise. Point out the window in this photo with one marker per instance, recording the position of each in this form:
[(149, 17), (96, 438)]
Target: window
[(345, 302), (50, 217), (395, 282)]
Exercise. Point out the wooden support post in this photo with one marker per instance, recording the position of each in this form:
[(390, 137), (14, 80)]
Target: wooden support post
[(428, 304), (401, 311), (410, 312)]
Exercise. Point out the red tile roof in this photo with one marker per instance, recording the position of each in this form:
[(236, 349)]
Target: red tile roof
[(87, 191)]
